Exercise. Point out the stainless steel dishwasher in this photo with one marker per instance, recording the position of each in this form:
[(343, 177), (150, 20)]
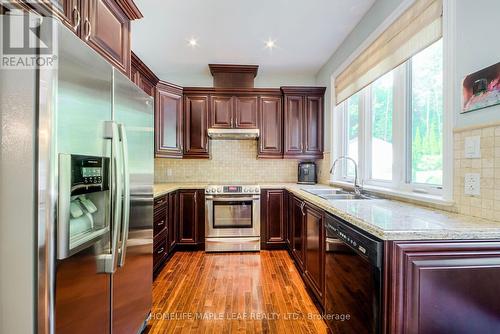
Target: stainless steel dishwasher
[(353, 283)]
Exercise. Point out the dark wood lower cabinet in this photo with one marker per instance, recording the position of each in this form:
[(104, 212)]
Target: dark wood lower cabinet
[(160, 232), (172, 212), (442, 287), (191, 218), (438, 286), (273, 219), (297, 223), (314, 251)]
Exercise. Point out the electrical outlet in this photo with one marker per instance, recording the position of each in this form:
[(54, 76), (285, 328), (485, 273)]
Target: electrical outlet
[(472, 147), (472, 184), (169, 171)]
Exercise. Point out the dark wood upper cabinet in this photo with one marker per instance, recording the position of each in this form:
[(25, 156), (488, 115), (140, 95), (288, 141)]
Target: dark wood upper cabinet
[(245, 112), (221, 112), (142, 76), (313, 143), (303, 122), (230, 111), (314, 264), (196, 125), (106, 28), (273, 218), (294, 119), (271, 127), (191, 217), (103, 24), (168, 121)]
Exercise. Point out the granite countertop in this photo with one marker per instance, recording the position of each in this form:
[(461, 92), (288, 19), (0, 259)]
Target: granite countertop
[(383, 218)]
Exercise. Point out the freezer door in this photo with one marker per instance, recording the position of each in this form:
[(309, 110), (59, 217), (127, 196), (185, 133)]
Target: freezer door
[(83, 103), (132, 282)]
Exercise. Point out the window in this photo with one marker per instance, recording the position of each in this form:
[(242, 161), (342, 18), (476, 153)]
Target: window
[(396, 124), (381, 127), (427, 116)]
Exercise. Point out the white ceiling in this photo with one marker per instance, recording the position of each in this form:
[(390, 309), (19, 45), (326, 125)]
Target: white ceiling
[(306, 32)]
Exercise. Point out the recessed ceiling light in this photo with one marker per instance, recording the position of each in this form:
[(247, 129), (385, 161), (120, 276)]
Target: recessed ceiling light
[(193, 42), (270, 44)]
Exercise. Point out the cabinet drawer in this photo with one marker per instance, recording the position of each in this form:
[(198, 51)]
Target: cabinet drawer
[(159, 202), (159, 253), (159, 222), (160, 238)]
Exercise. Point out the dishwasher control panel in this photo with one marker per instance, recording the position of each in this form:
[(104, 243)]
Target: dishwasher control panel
[(360, 241)]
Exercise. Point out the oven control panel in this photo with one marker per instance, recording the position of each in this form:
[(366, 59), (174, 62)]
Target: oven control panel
[(232, 190)]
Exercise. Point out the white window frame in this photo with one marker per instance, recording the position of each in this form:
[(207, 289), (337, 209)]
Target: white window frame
[(449, 105), (401, 127)]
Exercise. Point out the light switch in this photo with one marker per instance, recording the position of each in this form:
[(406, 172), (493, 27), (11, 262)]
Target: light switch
[(472, 184), (169, 171), (472, 147)]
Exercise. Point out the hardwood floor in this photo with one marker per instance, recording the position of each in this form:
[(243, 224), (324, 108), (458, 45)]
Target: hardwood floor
[(200, 292)]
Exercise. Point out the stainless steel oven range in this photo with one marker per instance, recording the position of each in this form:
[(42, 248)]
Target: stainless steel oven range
[(232, 218)]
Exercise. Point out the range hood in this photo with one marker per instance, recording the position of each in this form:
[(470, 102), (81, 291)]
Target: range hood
[(236, 134)]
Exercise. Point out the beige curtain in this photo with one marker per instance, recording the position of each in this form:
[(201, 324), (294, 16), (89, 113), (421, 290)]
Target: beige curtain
[(418, 27)]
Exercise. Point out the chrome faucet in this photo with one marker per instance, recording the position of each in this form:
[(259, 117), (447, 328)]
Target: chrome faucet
[(357, 188)]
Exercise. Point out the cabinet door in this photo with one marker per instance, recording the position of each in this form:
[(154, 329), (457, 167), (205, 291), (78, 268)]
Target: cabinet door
[(168, 123), (273, 232), (188, 217), (315, 250), (246, 112), (106, 28), (173, 204), (221, 112), (195, 129), (298, 219), (271, 127), (313, 145), (294, 113), (436, 283)]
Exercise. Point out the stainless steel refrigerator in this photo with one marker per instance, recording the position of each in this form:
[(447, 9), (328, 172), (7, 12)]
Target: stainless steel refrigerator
[(76, 171)]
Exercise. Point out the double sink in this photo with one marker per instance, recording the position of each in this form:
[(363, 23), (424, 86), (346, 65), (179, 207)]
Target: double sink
[(332, 194)]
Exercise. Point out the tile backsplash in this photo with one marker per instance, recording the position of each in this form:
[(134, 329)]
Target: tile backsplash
[(487, 204), (232, 161)]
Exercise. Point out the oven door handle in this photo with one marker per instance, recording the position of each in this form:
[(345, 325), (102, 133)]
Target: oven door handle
[(232, 199)]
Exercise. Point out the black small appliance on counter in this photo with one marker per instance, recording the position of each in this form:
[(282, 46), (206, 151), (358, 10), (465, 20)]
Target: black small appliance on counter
[(307, 173)]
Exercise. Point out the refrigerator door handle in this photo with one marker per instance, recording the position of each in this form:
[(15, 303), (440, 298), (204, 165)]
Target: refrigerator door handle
[(126, 196), (111, 260)]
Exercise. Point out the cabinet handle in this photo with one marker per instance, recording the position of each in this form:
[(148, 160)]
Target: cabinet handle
[(159, 202), (160, 250), (302, 208), (76, 13), (161, 223), (88, 29), (195, 198)]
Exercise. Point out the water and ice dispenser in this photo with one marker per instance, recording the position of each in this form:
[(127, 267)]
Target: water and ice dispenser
[(83, 204)]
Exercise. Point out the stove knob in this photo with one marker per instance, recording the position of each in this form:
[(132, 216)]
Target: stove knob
[(245, 190), (219, 190)]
